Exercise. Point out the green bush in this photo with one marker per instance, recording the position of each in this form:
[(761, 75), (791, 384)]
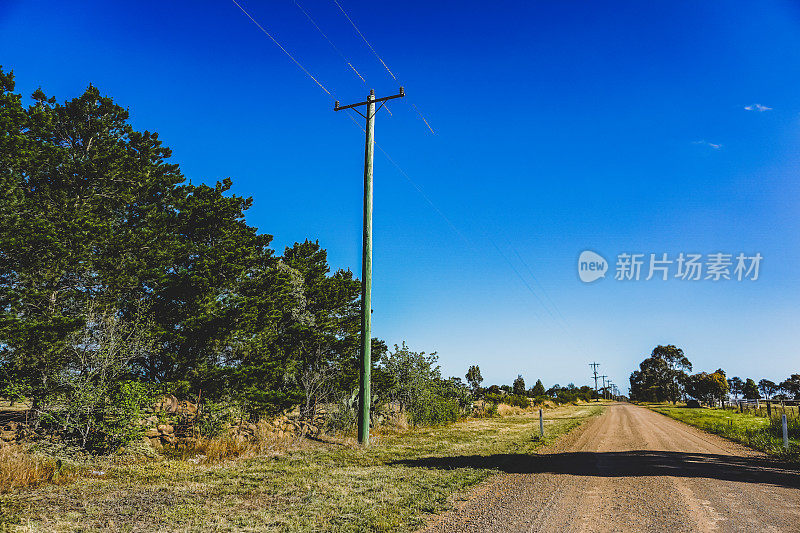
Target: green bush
[(215, 416), (126, 404), (492, 397), (515, 400), (344, 417), (435, 410)]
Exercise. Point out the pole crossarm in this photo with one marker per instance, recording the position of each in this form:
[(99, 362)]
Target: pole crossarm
[(337, 107)]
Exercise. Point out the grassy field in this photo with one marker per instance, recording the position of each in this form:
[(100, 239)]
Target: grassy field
[(313, 487), (755, 431)]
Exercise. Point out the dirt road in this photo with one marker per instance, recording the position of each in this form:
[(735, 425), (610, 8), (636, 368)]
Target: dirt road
[(630, 470)]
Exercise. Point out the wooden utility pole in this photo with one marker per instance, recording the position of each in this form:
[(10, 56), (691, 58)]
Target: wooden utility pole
[(594, 371), (364, 392), (605, 392)]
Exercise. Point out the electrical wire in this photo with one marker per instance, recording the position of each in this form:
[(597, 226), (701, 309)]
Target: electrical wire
[(372, 48), (398, 167), (336, 48), (349, 64), (296, 62), (422, 117), (365, 40), (543, 290)]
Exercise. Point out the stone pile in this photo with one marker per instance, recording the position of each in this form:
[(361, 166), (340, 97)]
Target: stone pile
[(13, 432), (291, 423), (174, 421), (172, 424)]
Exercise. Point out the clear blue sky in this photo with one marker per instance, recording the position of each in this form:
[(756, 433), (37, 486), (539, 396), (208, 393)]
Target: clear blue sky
[(560, 127)]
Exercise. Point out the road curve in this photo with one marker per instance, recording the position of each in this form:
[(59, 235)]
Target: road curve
[(629, 469)]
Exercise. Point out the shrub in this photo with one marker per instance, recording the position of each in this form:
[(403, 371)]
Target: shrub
[(539, 400), (435, 410), (217, 415), (415, 383), (516, 400), (492, 397), (88, 399), (344, 417)]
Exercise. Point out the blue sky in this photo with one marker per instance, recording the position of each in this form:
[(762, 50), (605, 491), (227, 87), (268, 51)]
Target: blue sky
[(560, 127)]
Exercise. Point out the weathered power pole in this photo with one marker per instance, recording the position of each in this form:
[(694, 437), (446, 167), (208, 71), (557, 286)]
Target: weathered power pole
[(594, 371), (364, 392), (604, 387)]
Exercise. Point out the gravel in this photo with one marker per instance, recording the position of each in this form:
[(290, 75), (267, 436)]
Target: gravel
[(633, 470)]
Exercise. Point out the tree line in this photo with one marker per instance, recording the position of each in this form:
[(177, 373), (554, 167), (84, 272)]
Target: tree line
[(664, 376), (121, 281), (517, 394), (116, 272)]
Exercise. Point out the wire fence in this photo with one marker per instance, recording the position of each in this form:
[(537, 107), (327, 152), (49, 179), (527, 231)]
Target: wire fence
[(765, 407)]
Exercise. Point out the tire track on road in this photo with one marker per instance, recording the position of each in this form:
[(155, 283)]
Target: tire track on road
[(632, 469)]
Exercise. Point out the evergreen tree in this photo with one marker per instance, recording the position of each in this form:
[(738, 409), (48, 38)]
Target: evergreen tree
[(750, 389)]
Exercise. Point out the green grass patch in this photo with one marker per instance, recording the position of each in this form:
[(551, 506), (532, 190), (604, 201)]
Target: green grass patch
[(757, 432), (320, 487)]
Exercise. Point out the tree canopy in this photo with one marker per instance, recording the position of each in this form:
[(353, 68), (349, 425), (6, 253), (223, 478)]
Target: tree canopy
[(662, 376), (99, 226)]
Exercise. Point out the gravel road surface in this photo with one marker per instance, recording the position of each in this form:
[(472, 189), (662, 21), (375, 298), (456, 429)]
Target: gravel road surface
[(630, 469)]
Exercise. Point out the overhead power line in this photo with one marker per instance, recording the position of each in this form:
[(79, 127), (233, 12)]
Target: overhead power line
[(365, 39), (349, 63), (336, 48), (285, 51), (419, 189), (375, 53)]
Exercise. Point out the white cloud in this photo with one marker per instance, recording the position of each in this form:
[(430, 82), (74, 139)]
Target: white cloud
[(714, 146), (757, 107)]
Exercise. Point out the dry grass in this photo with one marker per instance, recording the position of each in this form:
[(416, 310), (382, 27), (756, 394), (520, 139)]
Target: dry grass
[(223, 447), (507, 410), (21, 469), (334, 486)]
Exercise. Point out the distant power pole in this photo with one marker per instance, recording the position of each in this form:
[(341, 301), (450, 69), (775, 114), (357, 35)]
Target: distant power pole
[(605, 391), (365, 395), (594, 371)]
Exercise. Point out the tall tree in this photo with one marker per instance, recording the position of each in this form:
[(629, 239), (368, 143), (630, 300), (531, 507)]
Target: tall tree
[(519, 385), (94, 216), (708, 387), (82, 220), (538, 389), (661, 376), (678, 365), (768, 388), (736, 384), (750, 389), (791, 386), (474, 378)]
